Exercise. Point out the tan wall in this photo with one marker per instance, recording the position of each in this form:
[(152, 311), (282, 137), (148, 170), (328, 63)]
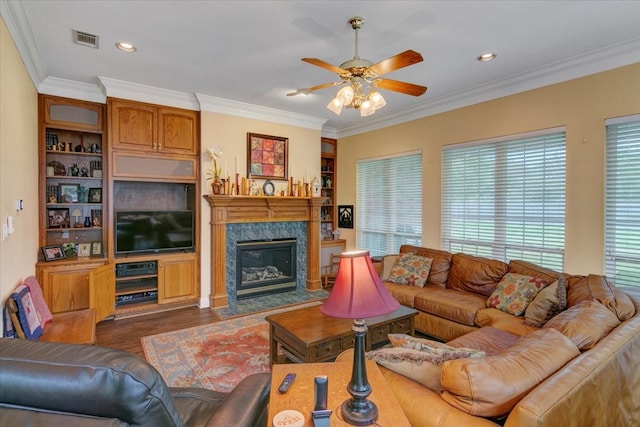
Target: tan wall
[(18, 166), (581, 105), (230, 134)]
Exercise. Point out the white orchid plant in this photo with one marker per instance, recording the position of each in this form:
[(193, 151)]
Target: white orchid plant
[(215, 153)]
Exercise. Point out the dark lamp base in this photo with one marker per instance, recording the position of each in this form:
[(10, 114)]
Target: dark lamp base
[(364, 416)]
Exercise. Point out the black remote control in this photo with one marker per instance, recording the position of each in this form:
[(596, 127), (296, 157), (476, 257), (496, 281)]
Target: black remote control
[(286, 382)]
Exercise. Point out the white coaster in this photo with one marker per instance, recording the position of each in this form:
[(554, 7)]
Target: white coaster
[(288, 418)]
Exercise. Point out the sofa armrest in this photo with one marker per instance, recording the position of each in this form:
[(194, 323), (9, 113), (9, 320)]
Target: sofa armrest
[(246, 405)]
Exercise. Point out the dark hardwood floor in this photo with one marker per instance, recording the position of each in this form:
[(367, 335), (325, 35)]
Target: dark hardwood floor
[(125, 334)]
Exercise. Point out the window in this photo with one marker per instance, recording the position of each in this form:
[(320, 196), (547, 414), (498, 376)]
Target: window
[(389, 203), (505, 198), (622, 201)]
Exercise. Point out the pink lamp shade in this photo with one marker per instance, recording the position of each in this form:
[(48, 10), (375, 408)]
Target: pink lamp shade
[(358, 292)]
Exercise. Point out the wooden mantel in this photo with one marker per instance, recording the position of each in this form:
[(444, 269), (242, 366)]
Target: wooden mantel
[(251, 209)]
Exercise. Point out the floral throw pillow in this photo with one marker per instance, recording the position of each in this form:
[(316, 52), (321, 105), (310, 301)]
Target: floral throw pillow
[(514, 293), (410, 269)]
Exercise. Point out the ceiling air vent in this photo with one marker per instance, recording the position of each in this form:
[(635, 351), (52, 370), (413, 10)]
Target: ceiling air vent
[(85, 39)]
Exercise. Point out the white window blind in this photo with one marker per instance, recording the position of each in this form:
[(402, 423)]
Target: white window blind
[(622, 202), (389, 203), (505, 199)]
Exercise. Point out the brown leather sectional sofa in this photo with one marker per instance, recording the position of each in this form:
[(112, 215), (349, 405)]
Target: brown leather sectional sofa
[(581, 368)]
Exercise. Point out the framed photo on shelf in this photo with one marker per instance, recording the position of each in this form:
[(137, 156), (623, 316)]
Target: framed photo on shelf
[(96, 248), (95, 195), (53, 252), (345, 216), (267, 156), (58, 217), (84, 249), (68, 193)]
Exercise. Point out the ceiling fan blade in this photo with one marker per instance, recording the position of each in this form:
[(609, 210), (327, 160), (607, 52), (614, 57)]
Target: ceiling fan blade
[(401, 60), (402, 87), (314, 88), (323, 64)]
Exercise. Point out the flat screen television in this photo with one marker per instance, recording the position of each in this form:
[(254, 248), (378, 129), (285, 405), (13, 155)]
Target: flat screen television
[(153, 231)]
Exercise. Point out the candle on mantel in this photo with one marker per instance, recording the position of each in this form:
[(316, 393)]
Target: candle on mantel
[(236, 160)]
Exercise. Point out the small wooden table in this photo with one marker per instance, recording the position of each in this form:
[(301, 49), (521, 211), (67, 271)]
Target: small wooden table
[(301, 393), (309, 336)]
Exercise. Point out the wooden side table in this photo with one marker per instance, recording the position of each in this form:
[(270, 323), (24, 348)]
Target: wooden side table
[(301, 393)]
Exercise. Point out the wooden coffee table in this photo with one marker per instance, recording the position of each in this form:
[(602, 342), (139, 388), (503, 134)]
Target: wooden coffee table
[(301, 393), (307, 335)]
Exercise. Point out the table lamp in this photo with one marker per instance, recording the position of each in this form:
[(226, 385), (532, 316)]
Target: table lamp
[(358, 293)]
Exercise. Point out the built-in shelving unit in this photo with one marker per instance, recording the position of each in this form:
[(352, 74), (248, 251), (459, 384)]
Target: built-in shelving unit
[(328, 176)]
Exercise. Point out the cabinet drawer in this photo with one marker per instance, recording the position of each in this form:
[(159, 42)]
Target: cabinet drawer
[(379, 334), (328, 349), (348, 342), (401, 326)]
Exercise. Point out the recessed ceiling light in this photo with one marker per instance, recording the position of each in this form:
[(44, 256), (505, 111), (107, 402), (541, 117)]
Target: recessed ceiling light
[(126, 47), (486, 57)]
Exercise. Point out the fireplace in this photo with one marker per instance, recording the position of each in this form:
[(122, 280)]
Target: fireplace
[(265, 267)]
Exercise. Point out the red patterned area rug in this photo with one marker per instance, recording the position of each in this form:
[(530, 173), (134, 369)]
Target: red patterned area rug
[(215, 356)]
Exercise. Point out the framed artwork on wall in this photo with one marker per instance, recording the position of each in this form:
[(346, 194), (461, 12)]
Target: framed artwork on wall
[(267, 156), (345, 216)]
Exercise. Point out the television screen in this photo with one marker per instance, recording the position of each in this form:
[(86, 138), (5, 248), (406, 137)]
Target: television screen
[(153, 231)]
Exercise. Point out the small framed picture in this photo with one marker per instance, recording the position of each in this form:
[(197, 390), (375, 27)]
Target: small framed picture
[(95, 195), (84, 249), (345, 216), (53, 252), (58, 218), (96, 248), (68, 193)]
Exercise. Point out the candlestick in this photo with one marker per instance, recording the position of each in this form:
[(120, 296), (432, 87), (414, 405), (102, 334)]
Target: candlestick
[(236, 160)]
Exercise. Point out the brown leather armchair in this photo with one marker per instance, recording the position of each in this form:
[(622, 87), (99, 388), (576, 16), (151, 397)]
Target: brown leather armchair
[(55, 384)]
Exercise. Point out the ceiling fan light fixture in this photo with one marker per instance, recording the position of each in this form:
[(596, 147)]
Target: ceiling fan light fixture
[(367, 108), (377, 100), (335, 106), (345, 95)]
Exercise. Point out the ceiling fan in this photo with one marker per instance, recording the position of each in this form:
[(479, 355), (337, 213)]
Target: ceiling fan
[(362, 74)]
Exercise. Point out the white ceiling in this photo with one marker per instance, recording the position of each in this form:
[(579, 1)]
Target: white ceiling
[(249, 51)]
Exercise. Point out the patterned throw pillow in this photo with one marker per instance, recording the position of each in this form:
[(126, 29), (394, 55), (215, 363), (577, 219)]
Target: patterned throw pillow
[(419, 361), (549, 302), (514, 293), (410, 269)]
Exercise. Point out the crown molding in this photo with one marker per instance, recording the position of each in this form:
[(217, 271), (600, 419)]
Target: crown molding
[(250, 111), (601, 60), (15, 18), (72, 89), (154, 95)]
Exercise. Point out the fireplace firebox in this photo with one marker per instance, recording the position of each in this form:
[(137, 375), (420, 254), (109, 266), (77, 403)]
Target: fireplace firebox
[(265, 267)]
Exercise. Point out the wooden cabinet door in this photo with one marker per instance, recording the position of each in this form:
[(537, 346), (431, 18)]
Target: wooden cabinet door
[(66, 287), (177, 131), (133, 125), (177, 279), (102, 291)]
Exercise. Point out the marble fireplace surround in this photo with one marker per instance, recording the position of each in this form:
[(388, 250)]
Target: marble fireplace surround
[(227, 210)]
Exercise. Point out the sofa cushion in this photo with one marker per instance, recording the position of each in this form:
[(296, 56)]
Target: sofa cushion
[(514, 293), (597, 287), (422, 362), (475, 274), (489, 339), (411, 270), (404, 294), (388, 261), (440, 265), (492, 386), (460, 307), (585, 323), (505, 321), (549, 302), (530, 269)]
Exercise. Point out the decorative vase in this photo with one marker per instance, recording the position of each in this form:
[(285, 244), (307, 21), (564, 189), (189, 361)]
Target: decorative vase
[(216, 186), (87, 221)]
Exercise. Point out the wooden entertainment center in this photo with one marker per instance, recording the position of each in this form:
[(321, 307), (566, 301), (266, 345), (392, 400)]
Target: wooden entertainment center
[(95, 160)]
